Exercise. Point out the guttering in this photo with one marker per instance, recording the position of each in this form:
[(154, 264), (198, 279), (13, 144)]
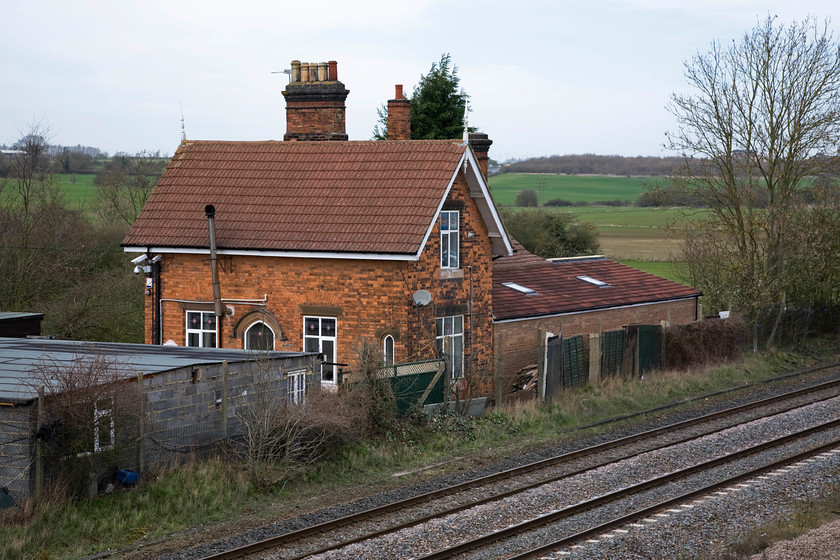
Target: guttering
[(287, 254), (593, 310)]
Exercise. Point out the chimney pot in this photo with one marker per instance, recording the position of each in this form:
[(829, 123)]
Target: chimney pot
[(399, 93), (304, 71), (313, 72), (322, 72), (295, 71), (332, 71)]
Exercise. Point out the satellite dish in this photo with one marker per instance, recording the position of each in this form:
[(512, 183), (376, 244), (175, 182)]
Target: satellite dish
[(421, 297)]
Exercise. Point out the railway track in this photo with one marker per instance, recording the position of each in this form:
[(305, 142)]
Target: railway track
[(392, 517)]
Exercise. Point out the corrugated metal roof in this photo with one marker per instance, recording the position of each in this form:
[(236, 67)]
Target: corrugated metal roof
[(20, 357), (353, 197)]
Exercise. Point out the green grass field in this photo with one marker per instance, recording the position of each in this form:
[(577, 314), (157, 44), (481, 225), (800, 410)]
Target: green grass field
[(576, 188), (79, 190), (625, 232)]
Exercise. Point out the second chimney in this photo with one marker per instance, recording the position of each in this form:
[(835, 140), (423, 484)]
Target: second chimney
[(399, 116), (315, 103)]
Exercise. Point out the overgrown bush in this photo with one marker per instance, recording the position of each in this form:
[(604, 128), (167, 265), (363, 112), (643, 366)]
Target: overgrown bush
[(703, 342), (526, 197)]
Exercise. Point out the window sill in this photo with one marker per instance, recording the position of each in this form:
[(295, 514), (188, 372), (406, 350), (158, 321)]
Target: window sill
[(451, 273)]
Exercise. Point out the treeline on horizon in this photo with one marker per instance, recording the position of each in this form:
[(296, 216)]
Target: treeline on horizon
[(591, 164), (83, 160)]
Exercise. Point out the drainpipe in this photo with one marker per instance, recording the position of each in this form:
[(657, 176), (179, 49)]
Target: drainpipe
[(210, 210)]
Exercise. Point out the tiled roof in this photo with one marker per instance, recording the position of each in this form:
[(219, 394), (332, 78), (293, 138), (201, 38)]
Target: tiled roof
[(557, 288), (367, 197)]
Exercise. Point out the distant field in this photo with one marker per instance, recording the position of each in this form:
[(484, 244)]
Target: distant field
[(626, 232), (664, 269), (576, 188), (79, 190)]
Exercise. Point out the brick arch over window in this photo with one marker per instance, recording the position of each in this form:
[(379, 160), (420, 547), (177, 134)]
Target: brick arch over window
[(258, 316)]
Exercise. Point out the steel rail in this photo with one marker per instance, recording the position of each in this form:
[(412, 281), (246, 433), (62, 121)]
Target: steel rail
[(627, 491)]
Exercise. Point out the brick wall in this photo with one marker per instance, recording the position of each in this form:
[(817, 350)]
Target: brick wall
[(518, 342), (369, 298), (315, 111)]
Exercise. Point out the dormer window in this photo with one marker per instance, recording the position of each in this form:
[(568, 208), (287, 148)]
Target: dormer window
[(449, 239)]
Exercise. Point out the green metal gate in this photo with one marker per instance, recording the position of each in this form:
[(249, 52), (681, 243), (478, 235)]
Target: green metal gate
[(417, 384), (650, 348)]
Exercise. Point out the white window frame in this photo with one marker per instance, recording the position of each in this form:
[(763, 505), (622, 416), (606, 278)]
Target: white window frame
[(200, 331), (389, 353), (327, 372), (448, 236), (296, 386), (251, 326), (98, 414), (456, 342)]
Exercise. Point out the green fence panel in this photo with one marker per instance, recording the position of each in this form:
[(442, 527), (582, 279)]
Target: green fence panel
[(612, 350), (575, 373), (650, 348)]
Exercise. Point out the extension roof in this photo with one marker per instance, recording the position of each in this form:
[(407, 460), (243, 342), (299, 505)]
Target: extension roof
[(308, 198), (558, 288), (20, 357)]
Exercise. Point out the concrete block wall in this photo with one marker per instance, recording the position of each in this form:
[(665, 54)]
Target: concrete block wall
[(183, 409), (16, 450)]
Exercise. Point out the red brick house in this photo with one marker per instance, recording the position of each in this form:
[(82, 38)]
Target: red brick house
[(322, 243), (533, 296)]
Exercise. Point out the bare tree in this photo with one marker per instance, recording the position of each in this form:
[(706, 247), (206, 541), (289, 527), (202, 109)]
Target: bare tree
[(126, 183), (91, 418), (764, 120)]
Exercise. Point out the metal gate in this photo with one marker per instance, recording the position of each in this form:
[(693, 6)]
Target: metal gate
[(417, 384)]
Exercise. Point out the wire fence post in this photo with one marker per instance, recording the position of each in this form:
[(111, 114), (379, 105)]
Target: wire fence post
[(224, 398), (39, 448), (141, 442)]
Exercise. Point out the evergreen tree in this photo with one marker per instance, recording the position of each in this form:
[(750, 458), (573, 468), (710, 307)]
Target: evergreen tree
[(437, 105)]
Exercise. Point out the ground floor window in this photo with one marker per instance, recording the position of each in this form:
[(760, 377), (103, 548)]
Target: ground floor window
[(259, 336), (319, 335), (449, 333), (201, 329), (297, 386)]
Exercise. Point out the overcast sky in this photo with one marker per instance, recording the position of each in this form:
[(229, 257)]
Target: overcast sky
[(544, 77)]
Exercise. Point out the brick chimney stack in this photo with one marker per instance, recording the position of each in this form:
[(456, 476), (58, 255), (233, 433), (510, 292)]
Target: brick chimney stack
[(399, 116), (480, 144), (315, 100)]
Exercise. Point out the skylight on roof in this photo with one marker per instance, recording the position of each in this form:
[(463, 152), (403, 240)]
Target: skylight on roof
[(595, 281), (518, 287)]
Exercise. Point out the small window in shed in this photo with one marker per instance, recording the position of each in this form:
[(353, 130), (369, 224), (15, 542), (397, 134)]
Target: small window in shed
[(595, 281), (518, 287)]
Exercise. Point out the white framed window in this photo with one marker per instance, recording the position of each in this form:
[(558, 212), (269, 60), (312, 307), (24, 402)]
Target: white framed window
[(297, 386), (201, 329), (449, 239), (319, 335), (449, 336), (388, 349), (259, 336), (103, 426)]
